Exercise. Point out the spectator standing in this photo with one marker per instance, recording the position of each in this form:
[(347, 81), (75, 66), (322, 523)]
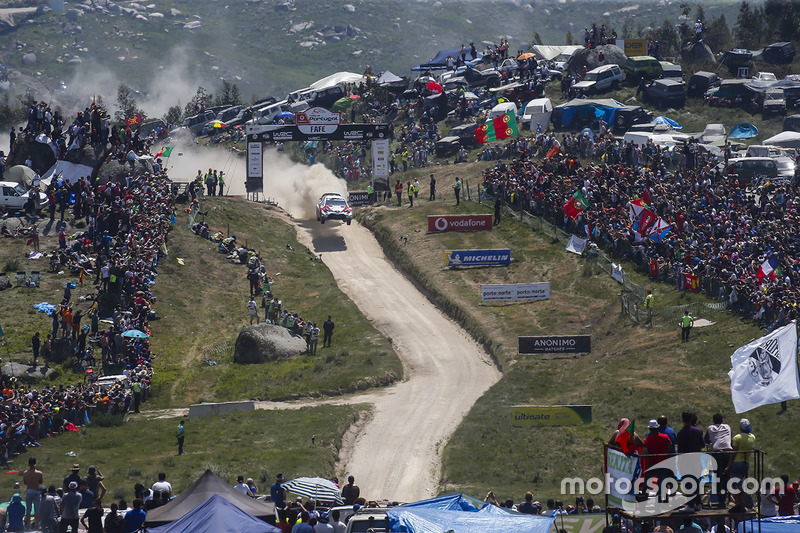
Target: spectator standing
[(162, 485), (134, 519), (743, 443), (338, 525), (48, 514), (327, 328), (457, 190), (33, 480), (95, 517), (70, 505), (690, 440), (687, 321), (278, 493), (114, 522), (252, 308), (350, 492), (180, 435), (718, 435), (433, 189), (36, 342)]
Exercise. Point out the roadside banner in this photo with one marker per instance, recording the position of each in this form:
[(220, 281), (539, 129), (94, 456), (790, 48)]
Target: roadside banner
[(517, 292), (555, 344), (551, 415), (616, 272), (380, 158), (576, 245), (586, 523), (765, 371), (621, 471), (442, 223), (357, 198), (478, 257), (633, 47)]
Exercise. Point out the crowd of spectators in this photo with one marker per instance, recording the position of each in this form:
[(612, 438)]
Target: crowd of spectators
[(722, 230)]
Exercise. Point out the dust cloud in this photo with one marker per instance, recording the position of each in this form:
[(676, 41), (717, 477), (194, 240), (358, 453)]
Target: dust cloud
[(295, 187)]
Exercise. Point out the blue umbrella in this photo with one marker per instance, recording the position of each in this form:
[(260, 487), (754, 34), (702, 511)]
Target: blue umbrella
[(285, 114), (745, 130), (668, 121), (135, 334)]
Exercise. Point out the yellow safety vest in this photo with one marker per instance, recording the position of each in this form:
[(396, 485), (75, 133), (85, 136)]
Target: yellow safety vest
[(687, 321), (648, 301), (137, 387)]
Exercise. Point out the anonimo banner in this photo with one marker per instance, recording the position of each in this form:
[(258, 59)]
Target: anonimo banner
[(517, 292), (442, 223), (551, 415), (555, 344), (456, 258)]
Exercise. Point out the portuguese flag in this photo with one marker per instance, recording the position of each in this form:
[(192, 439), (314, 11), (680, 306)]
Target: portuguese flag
[(501, 127), (575, 205), (165, 151)]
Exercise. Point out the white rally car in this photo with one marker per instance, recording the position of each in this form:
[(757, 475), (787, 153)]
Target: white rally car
[(334, 206)]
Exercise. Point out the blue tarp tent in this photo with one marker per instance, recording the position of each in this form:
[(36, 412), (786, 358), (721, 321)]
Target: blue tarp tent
[(464, 514), (440, 59), (745, 130), (668, 121), (780, 524), (605, 108), (216, 515)]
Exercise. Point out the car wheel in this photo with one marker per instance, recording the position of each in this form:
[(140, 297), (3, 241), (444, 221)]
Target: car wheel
[(322, 221), (348, 222)]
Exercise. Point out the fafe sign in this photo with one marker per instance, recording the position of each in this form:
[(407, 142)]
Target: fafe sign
[(442, 223), (555, 344), (457, 258), (551, 415), (516, 292), (317, 120)]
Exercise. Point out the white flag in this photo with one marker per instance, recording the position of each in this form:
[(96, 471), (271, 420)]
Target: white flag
[(765, 371), (576, 245), (617, 272)]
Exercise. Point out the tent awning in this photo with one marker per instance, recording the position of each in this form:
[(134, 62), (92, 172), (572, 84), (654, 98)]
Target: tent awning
[(216, 515), (336, 79)]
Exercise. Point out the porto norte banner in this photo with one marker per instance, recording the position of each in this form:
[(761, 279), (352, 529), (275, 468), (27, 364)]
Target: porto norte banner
[(551, 415), (442, 223), (516, 292), (456, 258)]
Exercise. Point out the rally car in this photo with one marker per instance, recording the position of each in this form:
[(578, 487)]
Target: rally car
[(334, 206)]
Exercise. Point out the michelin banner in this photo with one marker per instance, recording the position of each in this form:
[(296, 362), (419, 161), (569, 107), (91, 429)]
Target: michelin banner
[(457, 258), (551, 415), (517, 292)]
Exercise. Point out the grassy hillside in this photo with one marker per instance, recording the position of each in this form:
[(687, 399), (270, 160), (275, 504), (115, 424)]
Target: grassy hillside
[(632, 371)]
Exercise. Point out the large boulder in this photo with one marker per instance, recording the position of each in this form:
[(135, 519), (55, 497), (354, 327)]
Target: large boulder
[(113, 170), (41, 153), (90, 155), (590, 57), (266, 342), (29, 59), (698, 53)]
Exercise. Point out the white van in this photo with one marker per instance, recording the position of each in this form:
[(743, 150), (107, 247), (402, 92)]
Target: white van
[(266, 115), (600, 79), (537, 111), (502, 109)]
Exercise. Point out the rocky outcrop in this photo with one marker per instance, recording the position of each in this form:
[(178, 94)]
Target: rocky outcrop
[(42, 154), (115, 171), (266, 342), (698, 53), (590, 57)]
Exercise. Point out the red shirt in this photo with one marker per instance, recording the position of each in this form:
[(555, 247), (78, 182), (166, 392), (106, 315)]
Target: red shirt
[(658, 447), (786, 501)]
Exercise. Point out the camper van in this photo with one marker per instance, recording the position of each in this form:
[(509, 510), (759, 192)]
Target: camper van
[(537, 112)]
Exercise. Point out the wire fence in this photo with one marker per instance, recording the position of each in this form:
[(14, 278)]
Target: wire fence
[(631, 295)]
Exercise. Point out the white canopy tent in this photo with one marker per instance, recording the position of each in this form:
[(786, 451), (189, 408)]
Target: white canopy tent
[(785, 139), (336, 79)]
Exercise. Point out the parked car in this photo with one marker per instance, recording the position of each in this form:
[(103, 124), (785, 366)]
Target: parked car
[(628, 116), (196, 122), (765, 76), (786, 167), (666, 93), (755, 169), (537, 112), (367, 519), (13, 196), (791, 123), (152, 127), (701, 81), (334, 206), (671, 70), (478, 78), (325, 97), (228, 113), (774, 103), (639, 67), (600, 79), (243, 116)]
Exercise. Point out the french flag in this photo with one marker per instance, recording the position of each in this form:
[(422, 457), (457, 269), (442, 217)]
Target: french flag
[(768, 269)]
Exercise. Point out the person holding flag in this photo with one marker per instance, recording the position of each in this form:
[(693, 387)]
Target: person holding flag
[(576, 205), (625, 438)]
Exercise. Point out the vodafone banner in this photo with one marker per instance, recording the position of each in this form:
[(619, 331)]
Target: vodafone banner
[(442, 223)]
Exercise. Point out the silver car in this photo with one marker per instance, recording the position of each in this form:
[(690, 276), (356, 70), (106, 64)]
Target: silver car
[(13, 197), (334, 206)]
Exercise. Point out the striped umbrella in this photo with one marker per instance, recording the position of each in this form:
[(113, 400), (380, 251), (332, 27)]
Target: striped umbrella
[(315, 488)]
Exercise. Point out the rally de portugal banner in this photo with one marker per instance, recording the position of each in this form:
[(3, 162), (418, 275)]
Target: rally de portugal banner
[(551, 415), (457, 258), (516, 292), (442, 223), (765, 371)]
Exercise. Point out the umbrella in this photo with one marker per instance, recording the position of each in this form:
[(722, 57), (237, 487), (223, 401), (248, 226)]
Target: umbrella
[(434, 87), (355, 96), (526, 55), (342, 104), (315, 488), (217, 124), (668, 121), (135, 334), (285, 114)]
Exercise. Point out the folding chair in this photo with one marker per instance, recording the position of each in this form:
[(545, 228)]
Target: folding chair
[(36, 278), (20, 277)]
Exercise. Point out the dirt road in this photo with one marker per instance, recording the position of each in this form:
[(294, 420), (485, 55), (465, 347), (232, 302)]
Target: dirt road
[(396, 454)]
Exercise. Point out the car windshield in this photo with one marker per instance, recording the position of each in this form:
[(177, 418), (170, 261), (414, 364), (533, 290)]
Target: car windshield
[(774, 96), (590, 76), (336, 202), (785, 165), (19, 190), (562, 58)]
